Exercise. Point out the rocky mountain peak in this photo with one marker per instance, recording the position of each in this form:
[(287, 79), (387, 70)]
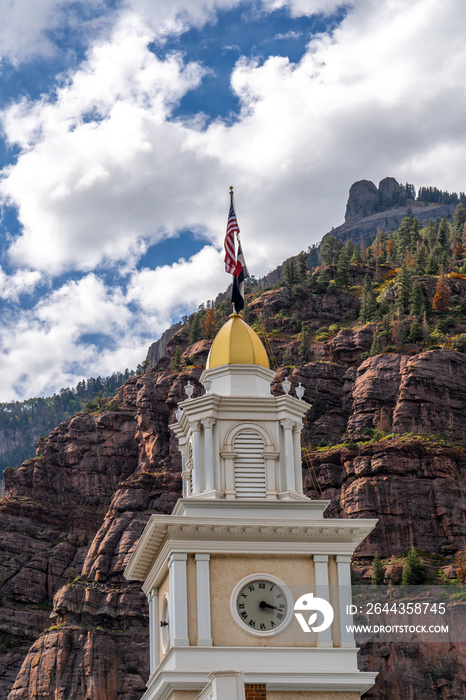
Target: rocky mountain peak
[(362, 195), (388, 186)]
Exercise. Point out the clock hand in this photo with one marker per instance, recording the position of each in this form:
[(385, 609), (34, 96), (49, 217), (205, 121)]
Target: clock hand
[(263, 605)]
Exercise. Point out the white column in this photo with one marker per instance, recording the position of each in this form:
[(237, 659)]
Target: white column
[(228, 459), (204, 628), (178, 591), (227, 685), (345, 599), (297, 457), (271, 474), (208, 424), (198, 481), (324, 638), (287, 426), (185, 475), (153, 598)]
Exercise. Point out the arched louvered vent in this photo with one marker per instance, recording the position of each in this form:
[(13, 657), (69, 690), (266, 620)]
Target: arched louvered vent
[(249, 465)]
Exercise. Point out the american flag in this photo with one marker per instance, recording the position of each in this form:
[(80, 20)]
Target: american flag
[(232, 228)]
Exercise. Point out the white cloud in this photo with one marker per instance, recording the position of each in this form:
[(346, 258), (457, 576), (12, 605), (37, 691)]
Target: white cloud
[(83, 187), (41, 350), (298, 8), (183, 284), (11, 286), (26, 25)]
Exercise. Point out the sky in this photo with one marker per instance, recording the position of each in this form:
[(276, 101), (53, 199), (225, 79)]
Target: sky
[(124, 122)]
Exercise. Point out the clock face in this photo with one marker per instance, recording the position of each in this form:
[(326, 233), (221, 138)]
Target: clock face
[(262, 606), (165, 625)]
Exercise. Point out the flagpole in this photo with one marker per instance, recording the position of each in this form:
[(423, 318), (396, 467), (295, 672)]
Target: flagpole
[(232, 205), (234, 259)]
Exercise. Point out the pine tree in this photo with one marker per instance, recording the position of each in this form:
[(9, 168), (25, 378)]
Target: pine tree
[(378, 571), (313, 259), (330, 249), (176, 362), (425, 327), (290, 274), (350, 248), (356, 257), (431, 234), (416, 299), (432, 263), (421, 259), (443, 234), (413, 571), (441, 300), (415, 234), (195, 330), (301, 266), (375, 347), (459, 219), (415, 331), (404, 289), (303, 350), (323, 280), (403, 235), (343, 276)]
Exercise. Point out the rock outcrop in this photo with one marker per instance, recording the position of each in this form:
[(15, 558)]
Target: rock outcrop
[(419, 394), (415, 487), (158, 349), (362, 196)]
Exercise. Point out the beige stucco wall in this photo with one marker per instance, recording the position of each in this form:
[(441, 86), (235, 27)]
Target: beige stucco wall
[(226, 570), (305, 695)]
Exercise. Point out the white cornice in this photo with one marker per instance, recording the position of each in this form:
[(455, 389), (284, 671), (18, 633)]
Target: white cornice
[(281, 668), (246, 407), (337, 536), (294, 506)]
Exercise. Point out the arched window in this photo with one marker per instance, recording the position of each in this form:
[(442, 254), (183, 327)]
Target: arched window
[(250, 479)]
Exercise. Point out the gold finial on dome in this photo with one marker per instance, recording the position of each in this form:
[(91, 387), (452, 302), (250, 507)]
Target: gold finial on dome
[(237, 344)]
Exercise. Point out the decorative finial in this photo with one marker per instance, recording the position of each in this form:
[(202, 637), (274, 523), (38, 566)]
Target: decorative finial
[(286, 386), (231, 194), (300, 391), (207, 385), (188, 390), (178, 414)]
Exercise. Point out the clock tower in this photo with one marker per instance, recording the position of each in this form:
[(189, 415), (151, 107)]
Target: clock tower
[(244, 550)]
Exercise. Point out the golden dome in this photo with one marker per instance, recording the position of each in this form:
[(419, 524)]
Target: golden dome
[(237, 344)]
